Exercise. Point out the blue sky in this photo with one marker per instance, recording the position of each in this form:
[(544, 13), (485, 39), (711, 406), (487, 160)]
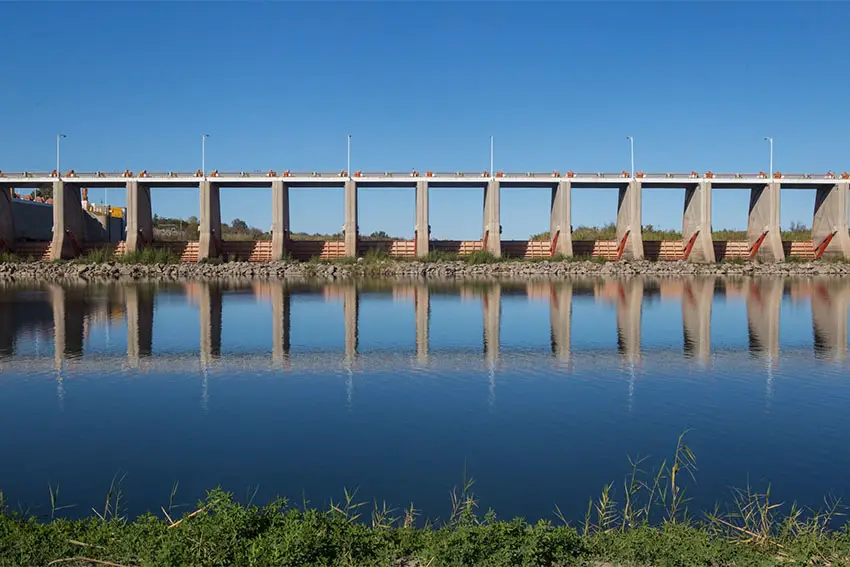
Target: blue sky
[(424, 85)]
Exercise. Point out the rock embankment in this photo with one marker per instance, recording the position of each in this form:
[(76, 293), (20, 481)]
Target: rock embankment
[(46, 271)]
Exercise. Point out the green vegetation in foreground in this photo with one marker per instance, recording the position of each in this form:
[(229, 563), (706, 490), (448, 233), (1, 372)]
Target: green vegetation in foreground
[(645, 521), (797, 231)]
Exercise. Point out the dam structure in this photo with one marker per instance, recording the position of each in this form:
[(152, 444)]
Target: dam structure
[(830, 237)]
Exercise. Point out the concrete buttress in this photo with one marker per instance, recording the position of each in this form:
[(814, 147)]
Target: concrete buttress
[(560, 222), (280, 220), (492, 234), (830, 220), (350, 227), (209, 245), (629, 220), (139, 216), (423, 229), (763, 223), (7, 220), (696, 223), (68, 225)]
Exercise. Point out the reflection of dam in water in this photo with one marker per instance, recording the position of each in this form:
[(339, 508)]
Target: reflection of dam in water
[(65, 315)]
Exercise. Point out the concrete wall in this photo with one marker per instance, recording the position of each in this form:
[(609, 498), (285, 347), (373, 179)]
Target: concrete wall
[(33, 221)]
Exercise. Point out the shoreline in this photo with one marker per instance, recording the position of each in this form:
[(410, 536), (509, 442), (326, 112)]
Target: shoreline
[(408, 270)]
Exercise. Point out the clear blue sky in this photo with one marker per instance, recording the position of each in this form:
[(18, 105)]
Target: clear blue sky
[(424, 85)]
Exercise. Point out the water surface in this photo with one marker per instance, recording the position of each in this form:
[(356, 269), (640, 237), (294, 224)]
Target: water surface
[(539, 391)]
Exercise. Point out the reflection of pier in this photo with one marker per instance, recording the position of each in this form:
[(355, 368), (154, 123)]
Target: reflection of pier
[(70, 312)]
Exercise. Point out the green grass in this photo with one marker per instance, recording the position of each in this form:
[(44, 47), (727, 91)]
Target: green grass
[(150, 256), (642, 521)]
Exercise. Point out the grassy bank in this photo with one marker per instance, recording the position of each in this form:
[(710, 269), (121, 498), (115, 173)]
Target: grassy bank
[(643, 521)]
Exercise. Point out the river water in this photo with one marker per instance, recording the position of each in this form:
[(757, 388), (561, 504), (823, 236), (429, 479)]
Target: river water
[(538, 391)]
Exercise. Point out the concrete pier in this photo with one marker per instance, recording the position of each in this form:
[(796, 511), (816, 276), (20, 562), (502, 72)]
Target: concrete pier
[(422, 235), (68, 225), (629, 307), (7, 220), (280, 220), (209, 245), (281, 321), (629, 220), (560, 317), (422, 309), (696, 318), (139, 216), (209, 312), (350, 227), (830, 301), (351, 314), (492, 234), (696, 223), (830, 221), (560, 219), (139, 309), (491, 304), (763, 223), (764, 300)]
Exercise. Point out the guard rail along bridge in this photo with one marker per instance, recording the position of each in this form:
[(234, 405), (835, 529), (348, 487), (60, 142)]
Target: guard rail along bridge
[(830, 237)]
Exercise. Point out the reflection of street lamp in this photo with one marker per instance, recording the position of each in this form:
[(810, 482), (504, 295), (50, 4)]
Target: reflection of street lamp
[(58, 137), (632, 152), (770, 141)]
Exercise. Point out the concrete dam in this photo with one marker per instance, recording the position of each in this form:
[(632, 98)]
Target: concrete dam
[(70, 236)]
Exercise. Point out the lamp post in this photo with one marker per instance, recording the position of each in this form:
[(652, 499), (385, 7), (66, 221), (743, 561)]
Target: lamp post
[(492, 173), (632, 152), (769, 140), (58, 170), (348, 162), (204, 154)]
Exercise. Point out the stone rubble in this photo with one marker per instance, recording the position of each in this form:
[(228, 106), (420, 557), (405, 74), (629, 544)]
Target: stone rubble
[(52, 272)]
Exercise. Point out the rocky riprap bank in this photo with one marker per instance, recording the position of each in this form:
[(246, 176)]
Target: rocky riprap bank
[(46, 271)]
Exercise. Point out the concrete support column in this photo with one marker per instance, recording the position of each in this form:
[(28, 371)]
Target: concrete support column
[(139, 308), (68, 226), (491, 303), (209, 311), (696, 317), (280, 220), (629, 306), (351, 314), (7, 219), (764, 299), (830, 302), (831, 219), (764, 218), (209, 245), (422, 308), (629, 220), (350, 227), (139, 216), (697, 221), (281, 321), (68, 324), (560, 317), (492, 234), (423, 229), (560, 219)]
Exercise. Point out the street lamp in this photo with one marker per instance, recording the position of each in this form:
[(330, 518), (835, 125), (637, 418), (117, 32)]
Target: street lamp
[(204, 154), (492, 173), (770, 141), (632, 152), (58, 137), (348, 166)]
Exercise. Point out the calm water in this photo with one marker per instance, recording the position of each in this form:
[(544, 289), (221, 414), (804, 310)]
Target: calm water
[(540, 391)]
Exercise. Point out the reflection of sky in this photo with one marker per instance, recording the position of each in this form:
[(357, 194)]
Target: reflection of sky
[(533, 434)]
